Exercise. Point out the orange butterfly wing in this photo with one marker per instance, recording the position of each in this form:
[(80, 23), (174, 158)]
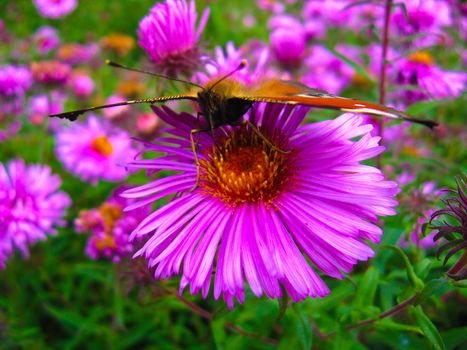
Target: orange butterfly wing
[(289, 92)]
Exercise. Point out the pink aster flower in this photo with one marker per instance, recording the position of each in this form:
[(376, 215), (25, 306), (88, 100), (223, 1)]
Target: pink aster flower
[(50, 72), (228, 60), (115, 112), (425, 17), (169, 36), (94, 150), (288, 40), (148, 125), (46, 39), (326, 71), (55, 8), (82, 84), (258, 214), (434, 83), (40, 106), (14, 80), (78, 53), (420, 203), (110, 227), (30, 206)]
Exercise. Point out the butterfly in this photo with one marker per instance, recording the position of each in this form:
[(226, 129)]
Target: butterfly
[(223, 101)]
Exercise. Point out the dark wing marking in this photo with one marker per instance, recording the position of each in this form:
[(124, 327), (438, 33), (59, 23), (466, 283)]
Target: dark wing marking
[(73, 115)]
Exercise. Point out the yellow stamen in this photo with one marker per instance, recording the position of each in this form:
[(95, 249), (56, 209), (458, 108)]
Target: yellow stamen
[(110, 213), (245, 169), (421, 57), (102, 145), (105, 242)]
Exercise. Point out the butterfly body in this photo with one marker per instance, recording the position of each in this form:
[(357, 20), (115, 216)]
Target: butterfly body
[(219, 110)]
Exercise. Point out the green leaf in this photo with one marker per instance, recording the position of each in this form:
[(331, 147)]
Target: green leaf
[(430, 288), (366, 290), (424, 267), (387, 324), (218, 332), (428, 328), (423, 107), (66, 317), (416, 282), (454, 338), (303, 327), (283, 304)]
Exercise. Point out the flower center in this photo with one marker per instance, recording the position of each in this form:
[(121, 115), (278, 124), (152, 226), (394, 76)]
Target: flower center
[(244, 169), (102, 145), (421, 57), (110, 213), (107, 241)]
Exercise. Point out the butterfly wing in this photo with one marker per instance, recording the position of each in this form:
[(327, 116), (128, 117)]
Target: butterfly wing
[(73, 115), (289, 92)]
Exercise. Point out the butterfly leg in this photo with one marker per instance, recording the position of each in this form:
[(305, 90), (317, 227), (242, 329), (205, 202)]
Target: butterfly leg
[(264, 138), (195, 155)]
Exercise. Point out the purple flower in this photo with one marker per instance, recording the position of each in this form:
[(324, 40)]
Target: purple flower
[(46, 39), (422, 17), (30, 206), (115, 112), (55, 8), (454, 230), (288, 40), (78, 53), (94, 150), (40, 106), (226, 61), (326, 71), (82, 85), (258, 213), (50, 72), (420, 202), (14, 80), (169, 36), (434, 83), (110, 227)]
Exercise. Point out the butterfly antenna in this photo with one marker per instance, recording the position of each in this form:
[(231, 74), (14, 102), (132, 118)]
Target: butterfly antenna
[(242, 65), (121, 66), (73, 115)]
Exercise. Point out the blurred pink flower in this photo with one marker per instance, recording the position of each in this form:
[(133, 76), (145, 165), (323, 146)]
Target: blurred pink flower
[(327, 71), (148, 124), (110, 227), (228, 60), (40, 106), (420, 202), (30, 206), (55, 8), (419, 70), (81, 84), (94, 150), (170, 37), (77, 53), (426, 18), (288, 40), (14, 80), (46, 39), (115, 112), (50, 72)]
